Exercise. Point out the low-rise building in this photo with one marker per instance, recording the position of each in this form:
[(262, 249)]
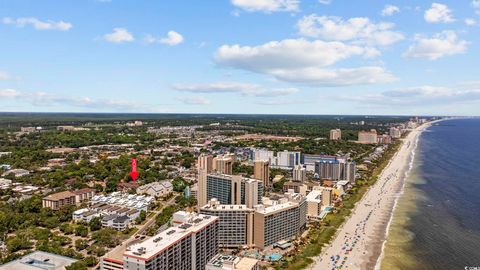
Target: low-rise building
[(231, 262), (156, 189), (39, 260), (57, 200)]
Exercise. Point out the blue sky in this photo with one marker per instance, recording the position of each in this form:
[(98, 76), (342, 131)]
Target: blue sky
[(241, 56)]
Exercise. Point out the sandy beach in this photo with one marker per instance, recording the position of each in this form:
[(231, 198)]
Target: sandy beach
[(358, 244)]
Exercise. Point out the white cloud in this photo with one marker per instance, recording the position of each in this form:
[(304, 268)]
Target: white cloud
[(336, 77), (173, 38), (359, 30), (438, 13), (49, 100), (286, 54), (476, 6), (267, 6), (194, 100), (304, 62), (422, 96), (119, 35), (325, 2), (470, 21), (245, 89), (38, 24), (442, 44), (4, 76), (9, 93), (389, 10)]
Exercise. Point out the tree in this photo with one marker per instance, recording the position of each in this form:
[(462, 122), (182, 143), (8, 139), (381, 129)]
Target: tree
[(179, 184), (95, 224), (78, 265), (81, 244), (81, 230)]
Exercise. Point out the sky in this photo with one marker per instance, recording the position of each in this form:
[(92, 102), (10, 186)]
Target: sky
[(241, 56)]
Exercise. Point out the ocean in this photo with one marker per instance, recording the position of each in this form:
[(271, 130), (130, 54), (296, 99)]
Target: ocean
[(436, 223)]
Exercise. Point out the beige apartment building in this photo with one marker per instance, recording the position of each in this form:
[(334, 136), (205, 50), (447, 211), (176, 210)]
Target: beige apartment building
[(335, 134), (261, 171), (368, 137)]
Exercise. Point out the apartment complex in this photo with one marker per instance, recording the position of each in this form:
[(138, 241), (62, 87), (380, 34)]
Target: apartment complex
[(235, 223), (189, 246), (368, 137), (228, 189), (299, 174), (261, 171), (335, 134), (57, 200)]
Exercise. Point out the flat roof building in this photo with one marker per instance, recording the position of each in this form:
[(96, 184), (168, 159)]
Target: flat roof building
[(39, 260), (235, 226), (231, 262), (228, 189), (190, 245)]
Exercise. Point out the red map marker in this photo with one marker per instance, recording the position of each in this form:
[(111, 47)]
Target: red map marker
[(134, 173)]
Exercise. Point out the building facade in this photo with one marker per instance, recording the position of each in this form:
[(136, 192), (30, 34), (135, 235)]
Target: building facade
[(261, 171), (189, 246)]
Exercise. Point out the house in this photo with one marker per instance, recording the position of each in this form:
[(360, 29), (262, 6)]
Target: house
[(16, 172), (120, 223), (125, 187), (156, 189)]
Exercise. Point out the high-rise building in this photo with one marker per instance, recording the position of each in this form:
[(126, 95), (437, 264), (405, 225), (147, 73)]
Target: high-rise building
[(299, 173), (308, 160), (287, 159), (279, 219), (335, 134), (368, 137), (205, 162), (189, 246), (229, 189), (261, 171), (223, 164), (336, 170), (235, 225), (395, 132)]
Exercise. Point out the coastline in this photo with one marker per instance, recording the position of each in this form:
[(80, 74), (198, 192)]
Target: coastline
[(365, 232)]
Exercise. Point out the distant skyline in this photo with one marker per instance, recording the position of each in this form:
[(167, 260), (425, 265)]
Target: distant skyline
[(241, 56)]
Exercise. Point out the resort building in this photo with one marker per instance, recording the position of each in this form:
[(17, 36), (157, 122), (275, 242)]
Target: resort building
[(279, 219), (336, 170), (189, 246), (235, 225), (228, 189), (395, 132)]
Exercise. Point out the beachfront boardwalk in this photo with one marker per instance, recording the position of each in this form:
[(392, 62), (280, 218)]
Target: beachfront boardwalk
[(358, 243)]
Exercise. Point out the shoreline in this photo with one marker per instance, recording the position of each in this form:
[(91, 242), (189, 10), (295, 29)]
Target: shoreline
[(359, 242)]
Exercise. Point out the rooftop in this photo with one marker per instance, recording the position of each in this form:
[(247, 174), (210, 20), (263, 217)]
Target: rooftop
[(39, 260), (60, 195), (163, 240)]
